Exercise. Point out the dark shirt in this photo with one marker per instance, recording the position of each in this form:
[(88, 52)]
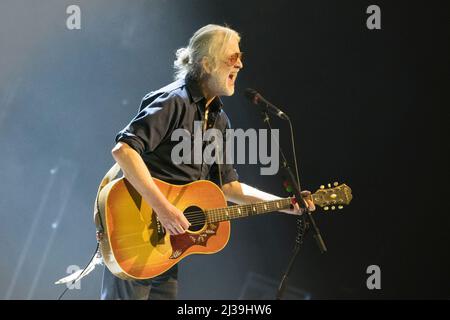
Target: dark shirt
[(174, 106)]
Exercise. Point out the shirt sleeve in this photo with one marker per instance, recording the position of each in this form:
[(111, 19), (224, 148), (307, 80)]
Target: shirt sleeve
[(228, 172), (152, 125)]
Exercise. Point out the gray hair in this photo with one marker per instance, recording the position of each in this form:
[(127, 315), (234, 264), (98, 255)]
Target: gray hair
[(207, 41)]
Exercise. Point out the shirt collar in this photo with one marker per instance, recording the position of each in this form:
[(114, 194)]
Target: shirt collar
[(196, 95)]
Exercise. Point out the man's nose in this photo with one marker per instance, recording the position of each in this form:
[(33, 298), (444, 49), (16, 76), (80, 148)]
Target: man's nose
[(239, 64)]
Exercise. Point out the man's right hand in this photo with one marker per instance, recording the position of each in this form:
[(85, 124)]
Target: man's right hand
[(136, 171), (173, 219)]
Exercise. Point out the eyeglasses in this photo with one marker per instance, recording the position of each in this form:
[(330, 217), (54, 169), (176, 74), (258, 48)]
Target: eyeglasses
[(231, 60)]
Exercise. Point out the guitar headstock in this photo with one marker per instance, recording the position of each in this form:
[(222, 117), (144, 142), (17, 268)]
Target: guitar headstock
[(333, 197)]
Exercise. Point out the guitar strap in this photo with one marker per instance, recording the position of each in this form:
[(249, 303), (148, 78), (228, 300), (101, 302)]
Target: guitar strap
[(109, 176), (212, 118)]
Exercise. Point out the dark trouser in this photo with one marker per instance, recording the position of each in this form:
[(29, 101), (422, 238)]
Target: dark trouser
[(162, 287)]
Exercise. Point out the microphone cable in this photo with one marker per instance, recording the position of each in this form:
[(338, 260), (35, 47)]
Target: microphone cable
[(81, 274)]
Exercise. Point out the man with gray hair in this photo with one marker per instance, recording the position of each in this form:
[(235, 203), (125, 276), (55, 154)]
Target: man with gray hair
[(205, 70)]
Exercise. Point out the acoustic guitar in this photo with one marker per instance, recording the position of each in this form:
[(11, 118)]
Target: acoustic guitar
[(134, 245)]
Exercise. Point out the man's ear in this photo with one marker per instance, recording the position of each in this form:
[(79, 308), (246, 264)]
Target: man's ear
[(206, 63)]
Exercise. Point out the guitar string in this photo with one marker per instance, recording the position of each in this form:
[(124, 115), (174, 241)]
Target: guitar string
[(214, 215), (234, 209), (223, 215), (249, 208), (264, 207)]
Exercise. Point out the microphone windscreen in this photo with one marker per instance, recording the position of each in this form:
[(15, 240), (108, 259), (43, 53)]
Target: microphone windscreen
[(252, 95)]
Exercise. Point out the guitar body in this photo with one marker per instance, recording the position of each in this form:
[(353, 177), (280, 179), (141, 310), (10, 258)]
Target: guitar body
[(134, 244)]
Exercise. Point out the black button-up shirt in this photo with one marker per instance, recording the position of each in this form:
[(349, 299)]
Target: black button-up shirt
[(175, 106)]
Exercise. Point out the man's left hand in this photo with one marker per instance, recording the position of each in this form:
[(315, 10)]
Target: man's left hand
[(297, 210)]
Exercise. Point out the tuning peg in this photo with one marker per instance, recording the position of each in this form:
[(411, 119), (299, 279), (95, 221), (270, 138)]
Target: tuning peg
[(329, 185), (322, 187), (333, 207), (325, 208), (340, 207), (335, 184)]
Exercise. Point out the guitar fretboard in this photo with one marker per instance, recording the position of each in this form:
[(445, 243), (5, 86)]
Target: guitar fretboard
[(246, 210)]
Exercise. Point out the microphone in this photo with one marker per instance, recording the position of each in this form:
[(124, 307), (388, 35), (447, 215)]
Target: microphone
[(258, 99)]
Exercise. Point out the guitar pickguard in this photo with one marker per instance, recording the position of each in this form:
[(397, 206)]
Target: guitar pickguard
[(180, 243)]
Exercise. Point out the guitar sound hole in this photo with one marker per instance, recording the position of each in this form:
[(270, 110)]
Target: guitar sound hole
[(196, 217)]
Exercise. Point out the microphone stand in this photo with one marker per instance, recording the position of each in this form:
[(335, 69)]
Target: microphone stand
[(302, 226)]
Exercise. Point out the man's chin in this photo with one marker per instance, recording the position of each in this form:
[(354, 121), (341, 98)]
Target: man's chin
[(230, 91)]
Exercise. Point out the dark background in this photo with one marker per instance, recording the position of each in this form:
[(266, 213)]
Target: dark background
[(369, 109)]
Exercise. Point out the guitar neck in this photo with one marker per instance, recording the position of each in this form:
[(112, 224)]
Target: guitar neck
[(326, 198), (247, 210)]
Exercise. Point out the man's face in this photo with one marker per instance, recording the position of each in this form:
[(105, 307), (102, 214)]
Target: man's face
[(221, 81)]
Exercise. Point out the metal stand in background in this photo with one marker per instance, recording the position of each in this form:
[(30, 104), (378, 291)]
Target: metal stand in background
[(304, 222)]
